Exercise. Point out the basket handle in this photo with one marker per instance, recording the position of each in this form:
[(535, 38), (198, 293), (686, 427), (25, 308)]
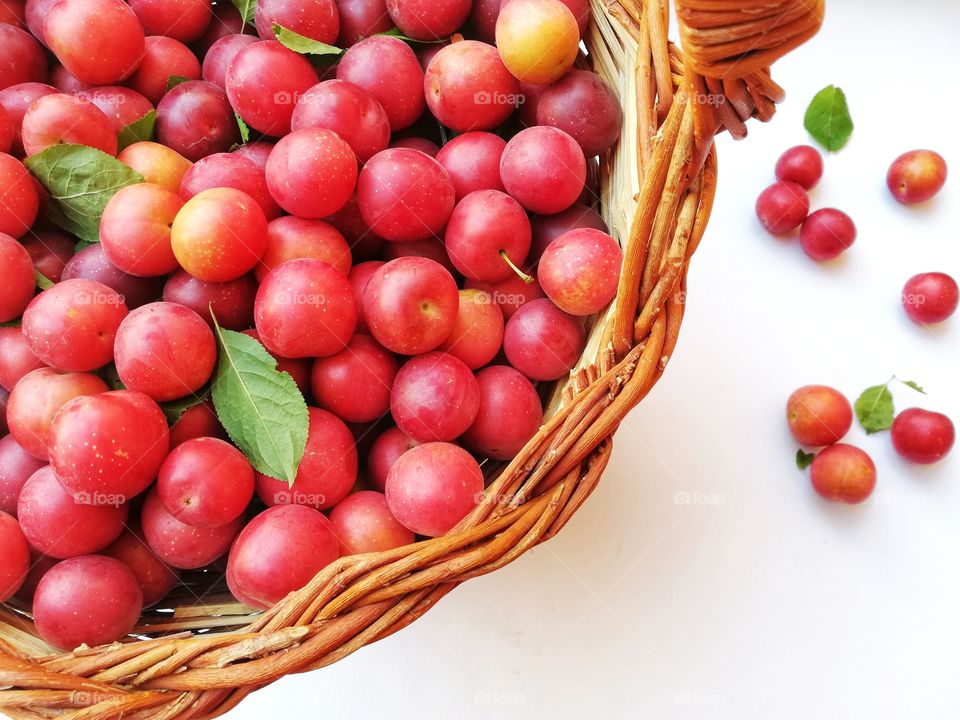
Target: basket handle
[(729, 46)]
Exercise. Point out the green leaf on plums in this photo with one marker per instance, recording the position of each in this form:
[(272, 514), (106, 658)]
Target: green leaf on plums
[(804, 459), (303, 45), (874, 409), (828, 118), (175, 80), (247, 9), (43, 282), (138, 130), (80, 181), (913, 386), (175, 409), (395, 32), (244, 129), (81, 246), (261, 408)]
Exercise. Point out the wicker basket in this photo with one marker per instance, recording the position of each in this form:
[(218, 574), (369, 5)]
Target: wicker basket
[(657, 189)]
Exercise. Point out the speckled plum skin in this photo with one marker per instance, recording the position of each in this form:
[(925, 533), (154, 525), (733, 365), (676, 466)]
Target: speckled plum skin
[(112, 443)]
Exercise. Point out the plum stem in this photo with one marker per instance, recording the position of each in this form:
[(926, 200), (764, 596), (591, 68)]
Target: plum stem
[(528, 279)]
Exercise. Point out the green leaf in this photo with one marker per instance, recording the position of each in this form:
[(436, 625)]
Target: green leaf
[(138, 130), (913, 386), (828, 118), (80, 181), (395, 32), (244, 129), (303, 45), (874, 409), (175, 409), (804, 459), (81, 245), (43, 282), (175, 80), (261, 408), (246, 8)]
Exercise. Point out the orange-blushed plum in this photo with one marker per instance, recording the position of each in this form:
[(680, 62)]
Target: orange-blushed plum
[(164, 350), (280, 551), (477, 334), (72, 325), (327, 472), (305, 308), (434, 486), (90, 600), (112, 39), (538, 39), (219, 235), (843, 473), (109, 444), (58, 525), (363, 523), (511, 294), (818, 415), (135, 229), (157, 163), (36, 400)]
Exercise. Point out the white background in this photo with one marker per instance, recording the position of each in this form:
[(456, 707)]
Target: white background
[(757, 599)]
